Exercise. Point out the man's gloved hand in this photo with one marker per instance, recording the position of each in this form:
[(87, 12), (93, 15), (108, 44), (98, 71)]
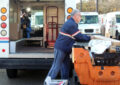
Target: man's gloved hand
[(92, 37)]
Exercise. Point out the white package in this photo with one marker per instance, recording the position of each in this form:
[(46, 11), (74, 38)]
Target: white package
[(99, 46)]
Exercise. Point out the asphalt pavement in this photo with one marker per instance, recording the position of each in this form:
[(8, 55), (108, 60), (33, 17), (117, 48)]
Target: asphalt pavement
[(25, 77)]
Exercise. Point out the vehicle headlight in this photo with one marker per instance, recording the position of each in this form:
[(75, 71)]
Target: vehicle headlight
[(97, 29)]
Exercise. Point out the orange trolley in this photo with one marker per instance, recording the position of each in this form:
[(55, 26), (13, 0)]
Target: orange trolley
[(104, 71)]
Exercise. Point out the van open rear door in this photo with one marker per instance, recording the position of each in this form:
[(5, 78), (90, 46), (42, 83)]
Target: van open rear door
[(4, 28)]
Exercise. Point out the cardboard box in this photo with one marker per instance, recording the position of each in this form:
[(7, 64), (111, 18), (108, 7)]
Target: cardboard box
[(112, 49), (114, 41)]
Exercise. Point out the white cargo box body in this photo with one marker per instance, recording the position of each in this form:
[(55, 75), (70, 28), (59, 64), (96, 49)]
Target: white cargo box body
[(89, 23), (112, 24), (11, 36), (4, 31), (14, 54)]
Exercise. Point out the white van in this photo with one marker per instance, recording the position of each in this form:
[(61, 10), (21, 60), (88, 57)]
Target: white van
[(89, 23), (112, 24), (17, 52)]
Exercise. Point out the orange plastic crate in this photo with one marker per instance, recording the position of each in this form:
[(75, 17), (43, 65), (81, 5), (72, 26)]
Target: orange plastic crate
[(93, 75)]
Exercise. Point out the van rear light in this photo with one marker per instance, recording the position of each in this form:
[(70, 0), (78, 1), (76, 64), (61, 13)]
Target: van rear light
[(3, 10), (68, 17), (3, 17), (3, 32), (69, 10), (3, 25), (3, 50)]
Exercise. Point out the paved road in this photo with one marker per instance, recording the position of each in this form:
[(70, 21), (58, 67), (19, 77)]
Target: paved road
[(25, 77)]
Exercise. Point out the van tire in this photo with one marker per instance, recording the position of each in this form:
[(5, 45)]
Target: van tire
[(11, 73)]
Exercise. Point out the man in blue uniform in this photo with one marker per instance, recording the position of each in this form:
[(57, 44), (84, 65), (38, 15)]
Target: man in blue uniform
[(63, 47), (25, 25)]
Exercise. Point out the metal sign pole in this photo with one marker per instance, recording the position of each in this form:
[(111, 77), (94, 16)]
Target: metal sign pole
[(80, 5), (96, 5)]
